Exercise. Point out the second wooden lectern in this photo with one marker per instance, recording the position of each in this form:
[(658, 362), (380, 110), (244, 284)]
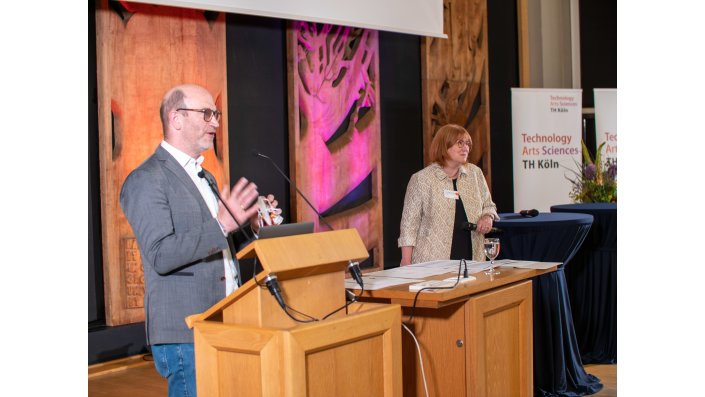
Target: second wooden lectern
[(246, 345)]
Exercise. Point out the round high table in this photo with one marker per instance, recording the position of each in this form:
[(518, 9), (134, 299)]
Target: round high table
[(551, 237), (592, 284)]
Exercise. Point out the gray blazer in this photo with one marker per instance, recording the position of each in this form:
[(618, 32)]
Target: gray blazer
[(180, 244)]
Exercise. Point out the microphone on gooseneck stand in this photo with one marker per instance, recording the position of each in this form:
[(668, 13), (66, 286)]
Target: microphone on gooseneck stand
[(471, 226), (320, 217), (529, 213), (353, 267), (272, 284), (202, 174)]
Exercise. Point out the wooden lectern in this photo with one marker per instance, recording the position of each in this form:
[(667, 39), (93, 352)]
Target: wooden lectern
[(475, 339), (246, 345)]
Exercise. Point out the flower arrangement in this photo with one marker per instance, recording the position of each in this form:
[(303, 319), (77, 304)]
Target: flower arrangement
[(596, 182)]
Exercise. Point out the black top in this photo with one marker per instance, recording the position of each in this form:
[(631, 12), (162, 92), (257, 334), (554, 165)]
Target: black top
[(461, 248)]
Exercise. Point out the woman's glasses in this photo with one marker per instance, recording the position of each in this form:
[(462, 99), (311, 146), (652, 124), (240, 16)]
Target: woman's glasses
[(460, 143)]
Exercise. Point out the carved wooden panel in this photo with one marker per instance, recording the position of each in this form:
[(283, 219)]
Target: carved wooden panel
[(133, 273), (334, 129), (455, 80), (142, 51)]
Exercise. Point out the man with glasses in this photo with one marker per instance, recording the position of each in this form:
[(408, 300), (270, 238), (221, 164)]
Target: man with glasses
[(185, 235)]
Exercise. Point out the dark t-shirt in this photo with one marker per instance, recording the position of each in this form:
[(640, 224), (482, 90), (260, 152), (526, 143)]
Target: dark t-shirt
[(461, 248)]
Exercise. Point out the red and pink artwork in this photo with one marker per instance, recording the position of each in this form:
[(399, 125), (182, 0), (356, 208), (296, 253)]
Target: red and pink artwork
[(335, 128)]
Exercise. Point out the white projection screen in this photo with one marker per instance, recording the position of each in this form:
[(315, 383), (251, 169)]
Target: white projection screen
[(417, 17)]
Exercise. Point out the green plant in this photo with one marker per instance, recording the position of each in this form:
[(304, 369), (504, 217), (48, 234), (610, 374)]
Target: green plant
[(597, 181)]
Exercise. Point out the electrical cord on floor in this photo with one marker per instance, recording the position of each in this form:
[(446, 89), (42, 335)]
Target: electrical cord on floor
[(418, 349)]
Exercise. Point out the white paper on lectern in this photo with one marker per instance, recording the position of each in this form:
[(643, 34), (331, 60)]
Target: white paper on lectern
[(414, 272), (440, 284), (373, 283), (528, 264), (451, 265), (437, 263)]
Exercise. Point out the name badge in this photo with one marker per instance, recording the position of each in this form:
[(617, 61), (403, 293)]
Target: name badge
[(451, 194)]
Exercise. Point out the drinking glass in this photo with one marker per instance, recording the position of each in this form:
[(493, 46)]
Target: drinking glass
[(491, 251)]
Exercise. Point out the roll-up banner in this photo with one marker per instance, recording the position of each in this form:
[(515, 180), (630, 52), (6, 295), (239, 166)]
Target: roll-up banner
[(546, 134), (606, 122)]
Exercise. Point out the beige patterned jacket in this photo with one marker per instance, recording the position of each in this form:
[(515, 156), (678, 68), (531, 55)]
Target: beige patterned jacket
[(428, 216)]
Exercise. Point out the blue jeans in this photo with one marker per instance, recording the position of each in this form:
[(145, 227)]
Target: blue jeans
[(176, 363)]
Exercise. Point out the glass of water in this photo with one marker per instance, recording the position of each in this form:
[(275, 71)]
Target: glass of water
[(491, 251)]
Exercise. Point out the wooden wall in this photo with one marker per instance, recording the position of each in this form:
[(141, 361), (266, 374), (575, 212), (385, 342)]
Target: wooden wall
[(455, 79), (142, 51)]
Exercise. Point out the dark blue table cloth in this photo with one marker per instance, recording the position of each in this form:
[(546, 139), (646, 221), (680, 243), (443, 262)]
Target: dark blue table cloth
[(592, 284), (551, 237)]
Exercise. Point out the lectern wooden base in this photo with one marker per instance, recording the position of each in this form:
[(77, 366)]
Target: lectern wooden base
[(246, 345), (475, 339), (478, 347), (358, 355)]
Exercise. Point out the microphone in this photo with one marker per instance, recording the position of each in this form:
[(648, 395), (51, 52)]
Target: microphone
[(320, 217), (471, 226), (272, 284), (202, 174), (529, 213), (353, 267)]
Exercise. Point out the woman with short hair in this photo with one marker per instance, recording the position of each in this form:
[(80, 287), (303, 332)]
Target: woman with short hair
[(441, 198)]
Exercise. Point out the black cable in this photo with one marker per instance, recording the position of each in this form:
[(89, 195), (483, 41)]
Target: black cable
[(413, 306), (254, 273), (345, 306), (313, 319), (362, 289), (214, 189), (272, 283), (310, 320), (286, 307)]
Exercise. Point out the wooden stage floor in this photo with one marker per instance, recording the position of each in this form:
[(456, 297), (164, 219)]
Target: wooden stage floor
[(135, 376)]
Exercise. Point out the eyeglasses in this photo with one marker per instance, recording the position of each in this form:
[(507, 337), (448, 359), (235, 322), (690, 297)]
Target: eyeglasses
[(207, 113), (460, 143)]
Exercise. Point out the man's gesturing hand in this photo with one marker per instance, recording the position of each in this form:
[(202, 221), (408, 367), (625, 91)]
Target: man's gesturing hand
[(241, 201)]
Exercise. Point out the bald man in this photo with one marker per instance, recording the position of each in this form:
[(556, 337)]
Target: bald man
[(184, 234)]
